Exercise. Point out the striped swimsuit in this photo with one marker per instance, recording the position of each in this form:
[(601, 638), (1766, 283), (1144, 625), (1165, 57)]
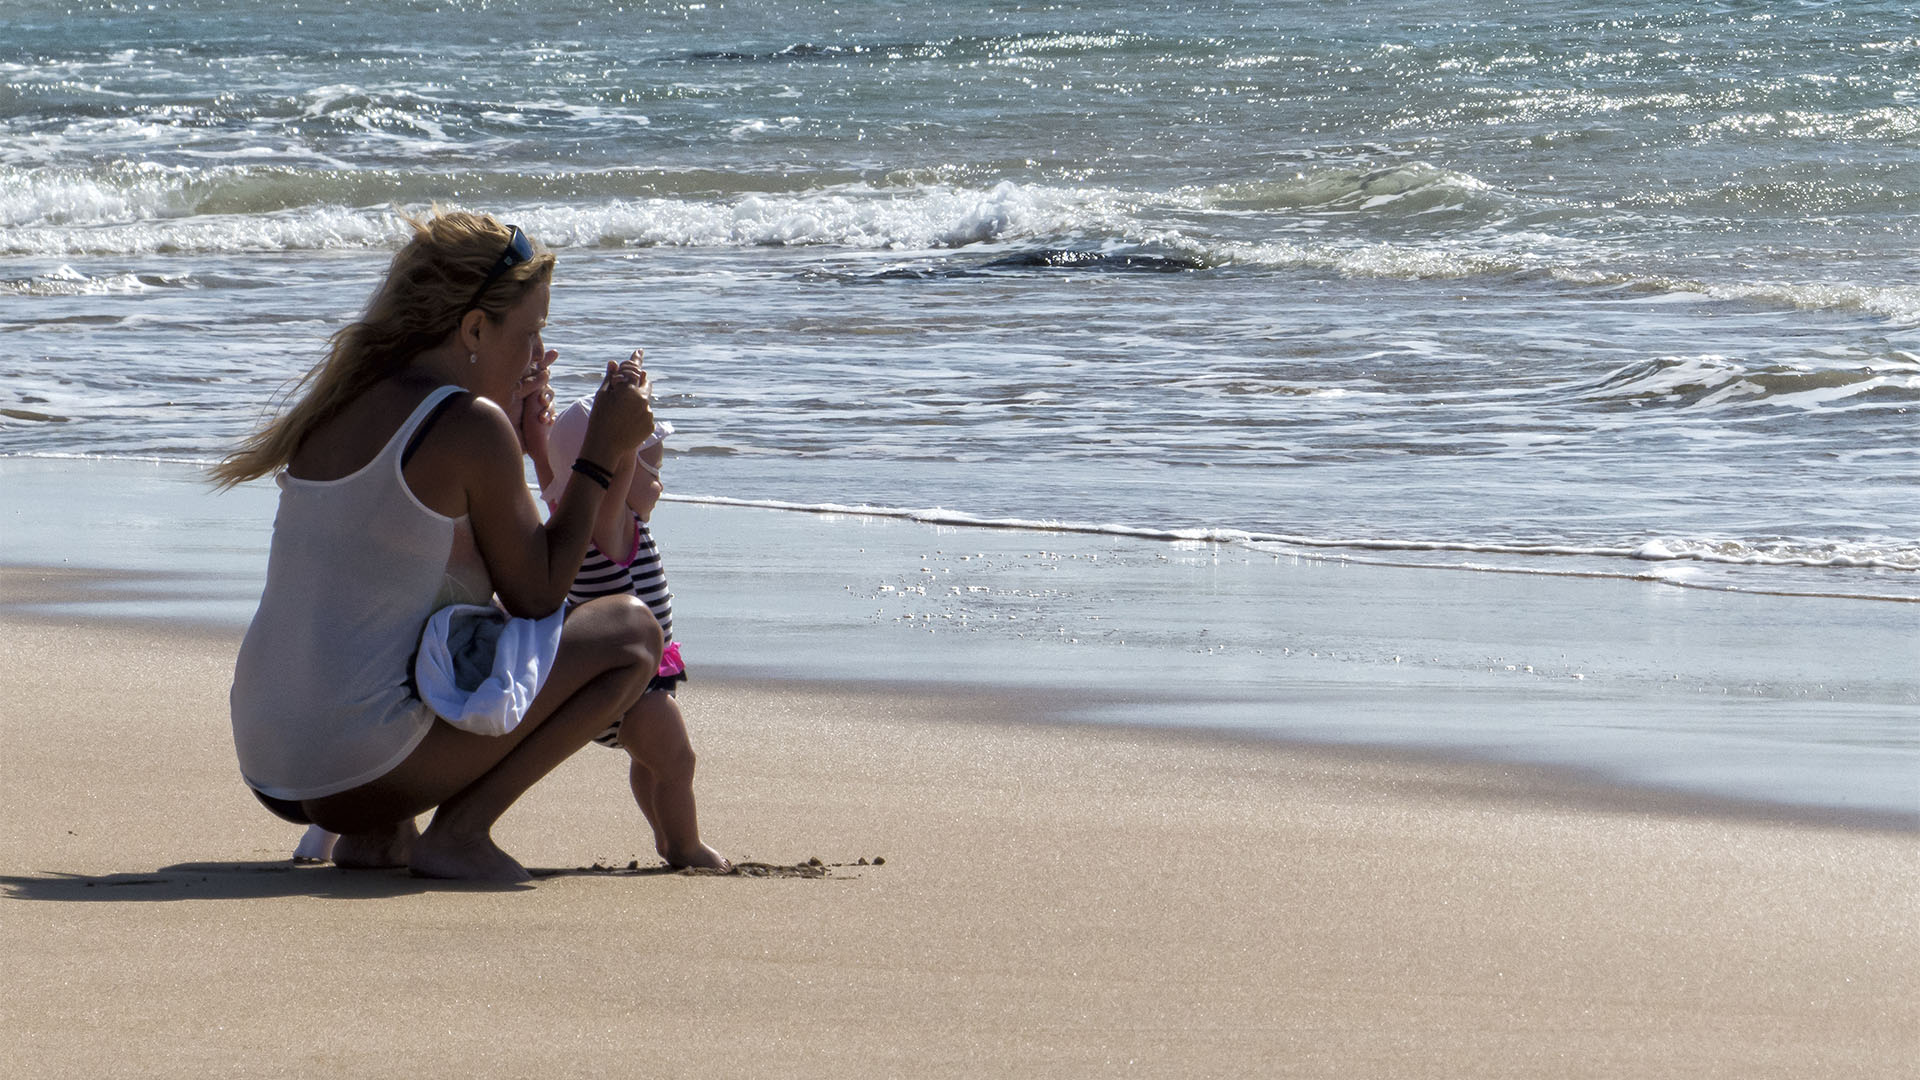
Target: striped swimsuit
[(644, 577)]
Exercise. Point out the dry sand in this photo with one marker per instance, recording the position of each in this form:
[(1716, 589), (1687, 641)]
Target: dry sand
[(1055, 901)]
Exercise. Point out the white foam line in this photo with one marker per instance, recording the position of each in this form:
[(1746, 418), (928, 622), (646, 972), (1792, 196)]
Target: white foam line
[(1652, 551), (142, 459), (1610, 575), (1264, 542), (1242, 538)]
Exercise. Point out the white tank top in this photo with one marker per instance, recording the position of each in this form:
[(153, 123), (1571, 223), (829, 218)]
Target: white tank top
[(321, 701)]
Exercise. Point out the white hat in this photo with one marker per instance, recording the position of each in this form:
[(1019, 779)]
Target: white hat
[(569, 434)]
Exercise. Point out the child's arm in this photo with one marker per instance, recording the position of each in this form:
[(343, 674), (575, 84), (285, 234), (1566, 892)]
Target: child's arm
[(542, 472)]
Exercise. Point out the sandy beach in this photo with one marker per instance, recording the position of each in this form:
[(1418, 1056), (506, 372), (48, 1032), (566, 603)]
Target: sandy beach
[(1055, 900)]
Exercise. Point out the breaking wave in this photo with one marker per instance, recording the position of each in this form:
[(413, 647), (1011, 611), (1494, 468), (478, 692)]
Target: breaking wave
[(1713, 381), (145, 209)]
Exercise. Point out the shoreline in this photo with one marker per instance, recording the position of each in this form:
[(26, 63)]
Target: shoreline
[(1793, 703), (1528, 784), (1667, 562)]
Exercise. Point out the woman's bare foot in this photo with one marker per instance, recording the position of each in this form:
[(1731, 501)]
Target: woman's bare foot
[(316, 846), (465, 859), (700, 857), (381, 849)]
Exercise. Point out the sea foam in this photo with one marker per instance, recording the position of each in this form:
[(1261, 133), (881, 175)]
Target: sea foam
[(1884, 554), (141, 209)]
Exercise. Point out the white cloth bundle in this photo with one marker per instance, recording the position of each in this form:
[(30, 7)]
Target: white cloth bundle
[(479, 668)]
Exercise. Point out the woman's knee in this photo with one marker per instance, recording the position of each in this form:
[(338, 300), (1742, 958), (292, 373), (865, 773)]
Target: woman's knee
[(619, 630)]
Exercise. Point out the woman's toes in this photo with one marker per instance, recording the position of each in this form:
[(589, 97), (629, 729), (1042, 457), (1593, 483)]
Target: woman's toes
[(470, 860)]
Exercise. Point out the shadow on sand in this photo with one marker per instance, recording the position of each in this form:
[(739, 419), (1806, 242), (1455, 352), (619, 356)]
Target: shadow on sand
[(284, 878)]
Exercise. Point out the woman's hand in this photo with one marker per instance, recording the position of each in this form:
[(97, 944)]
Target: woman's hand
[(622, 414), (531, 408)]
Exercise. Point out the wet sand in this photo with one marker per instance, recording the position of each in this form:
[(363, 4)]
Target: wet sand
[(1803, 702), (1055, 900)]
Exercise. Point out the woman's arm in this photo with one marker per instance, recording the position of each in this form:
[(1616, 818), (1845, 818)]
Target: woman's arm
[(613, 531), (532, 564), (475, 452)]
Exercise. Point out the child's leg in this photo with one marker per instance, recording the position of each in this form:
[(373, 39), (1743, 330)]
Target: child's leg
[(641, 781), (655, 736)]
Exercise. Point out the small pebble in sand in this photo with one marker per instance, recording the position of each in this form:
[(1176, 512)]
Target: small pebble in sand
[(879, 860)]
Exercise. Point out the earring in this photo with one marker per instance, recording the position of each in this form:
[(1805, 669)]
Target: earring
[(473, 358)]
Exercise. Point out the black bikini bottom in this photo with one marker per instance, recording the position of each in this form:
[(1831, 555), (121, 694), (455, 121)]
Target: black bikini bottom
[(283, 808)]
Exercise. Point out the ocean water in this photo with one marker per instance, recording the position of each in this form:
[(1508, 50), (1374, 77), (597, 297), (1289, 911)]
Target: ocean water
[(1553, 288)]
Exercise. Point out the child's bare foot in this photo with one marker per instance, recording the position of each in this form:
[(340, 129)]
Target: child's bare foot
[(700, 857), (381, 849), (474, 859)]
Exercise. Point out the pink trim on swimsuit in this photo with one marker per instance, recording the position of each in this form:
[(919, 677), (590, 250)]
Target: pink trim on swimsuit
[(670, 660), (635, 553)]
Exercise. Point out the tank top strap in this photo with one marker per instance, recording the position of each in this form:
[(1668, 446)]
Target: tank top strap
[(406, 440)]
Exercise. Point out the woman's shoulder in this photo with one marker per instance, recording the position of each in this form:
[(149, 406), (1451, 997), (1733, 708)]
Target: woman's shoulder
[(473, 422), (466, 442), (466, 435)]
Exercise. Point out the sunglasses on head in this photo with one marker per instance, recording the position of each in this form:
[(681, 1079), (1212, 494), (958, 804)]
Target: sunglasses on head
[(519, 250)]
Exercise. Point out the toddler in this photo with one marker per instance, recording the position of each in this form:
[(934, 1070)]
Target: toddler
[(624, 559)]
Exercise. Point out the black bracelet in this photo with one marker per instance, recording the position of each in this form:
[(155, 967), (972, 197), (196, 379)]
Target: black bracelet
[(593, 472)]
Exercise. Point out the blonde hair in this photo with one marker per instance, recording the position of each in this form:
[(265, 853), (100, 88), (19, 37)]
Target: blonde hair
[(428, 289)]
